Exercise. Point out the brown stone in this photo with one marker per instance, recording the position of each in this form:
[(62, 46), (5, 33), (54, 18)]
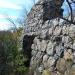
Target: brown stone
[(61, 65), (68, 55), (46, 72)]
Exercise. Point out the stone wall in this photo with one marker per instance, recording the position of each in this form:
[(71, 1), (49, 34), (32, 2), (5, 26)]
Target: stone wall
[(53, 48)]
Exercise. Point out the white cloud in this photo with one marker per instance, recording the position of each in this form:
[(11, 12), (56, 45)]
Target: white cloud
[(4, 17), (4, 25), (6, 4)]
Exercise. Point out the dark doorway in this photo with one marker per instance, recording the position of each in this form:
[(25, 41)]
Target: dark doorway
[(27, 42)]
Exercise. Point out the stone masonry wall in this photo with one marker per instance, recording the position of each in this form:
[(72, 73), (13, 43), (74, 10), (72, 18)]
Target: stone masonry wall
[(53, 48)]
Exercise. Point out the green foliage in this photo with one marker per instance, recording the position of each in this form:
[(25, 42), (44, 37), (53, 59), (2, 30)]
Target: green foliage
[(11, 59), (19, 63)]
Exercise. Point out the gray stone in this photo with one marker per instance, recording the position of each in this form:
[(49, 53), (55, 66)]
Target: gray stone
[(34, 52), (44, 33), (50, 47), (50, 31), (38, 55), (45, 58), (65, 39), (68, 45), (43, 45), (57, 31), (36, 72), (51, 61), (41, 68), (65, 30), (74, 57), (61, 22), (56, 56), (55, 22), (35, 40), (33, 46), (59, 50), (74, 45), (72, 31), (37, 44), (32, 62)]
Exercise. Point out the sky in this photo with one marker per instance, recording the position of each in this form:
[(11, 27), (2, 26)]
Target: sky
[(66, 8), (14, 9)]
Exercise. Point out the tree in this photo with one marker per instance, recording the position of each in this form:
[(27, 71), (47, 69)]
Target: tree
[(11, 59)]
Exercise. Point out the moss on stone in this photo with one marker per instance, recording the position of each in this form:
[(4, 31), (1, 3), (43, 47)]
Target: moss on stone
[(46, 72)]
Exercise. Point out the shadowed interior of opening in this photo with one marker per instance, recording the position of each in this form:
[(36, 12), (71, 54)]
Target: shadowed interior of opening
[(27, 42)]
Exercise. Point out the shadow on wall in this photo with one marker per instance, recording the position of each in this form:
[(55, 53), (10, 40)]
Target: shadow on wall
[(27, 42), (52, 9)]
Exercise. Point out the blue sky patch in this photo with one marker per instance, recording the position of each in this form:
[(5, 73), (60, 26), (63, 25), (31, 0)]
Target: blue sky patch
[(14, 9)]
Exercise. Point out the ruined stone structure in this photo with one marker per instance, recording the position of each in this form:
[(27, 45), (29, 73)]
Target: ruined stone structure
[(53, 44)]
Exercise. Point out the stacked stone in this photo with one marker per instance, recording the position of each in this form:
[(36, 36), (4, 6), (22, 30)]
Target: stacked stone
[(53, 49), (35, 19)]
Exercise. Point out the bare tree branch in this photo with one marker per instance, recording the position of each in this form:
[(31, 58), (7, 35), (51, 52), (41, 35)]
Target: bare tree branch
[(70, 10), (22, 18), (71, 22), (11, 21)]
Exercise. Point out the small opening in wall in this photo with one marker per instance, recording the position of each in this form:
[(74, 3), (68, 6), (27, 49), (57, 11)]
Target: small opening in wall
[(27, 42)]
